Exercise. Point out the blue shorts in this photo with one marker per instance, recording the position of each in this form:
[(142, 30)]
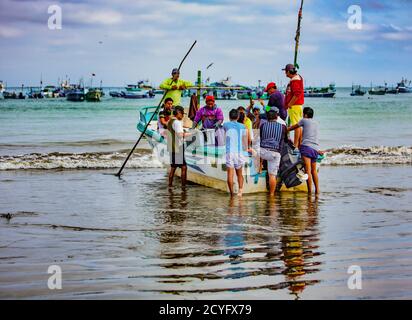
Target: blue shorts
[(308, 152)]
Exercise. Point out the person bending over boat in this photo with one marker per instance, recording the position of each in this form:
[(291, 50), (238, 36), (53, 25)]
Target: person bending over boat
[(272, 137), (210, 115), (294, 100), (309, 149), (174, 86), (276, 99), (164, 116), (236, 146), (175, 144)]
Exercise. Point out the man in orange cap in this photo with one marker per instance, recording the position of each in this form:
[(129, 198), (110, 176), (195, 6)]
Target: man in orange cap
[(210, 115)]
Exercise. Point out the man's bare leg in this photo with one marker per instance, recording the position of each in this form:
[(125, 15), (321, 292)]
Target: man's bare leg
[(315, 177), (240, 181), (308, 169), (272, 184), (184, 175), (171, 175), (230, 174)]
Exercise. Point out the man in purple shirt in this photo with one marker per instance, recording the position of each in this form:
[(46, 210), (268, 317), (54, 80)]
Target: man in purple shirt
[(210, 115), (276, 99)]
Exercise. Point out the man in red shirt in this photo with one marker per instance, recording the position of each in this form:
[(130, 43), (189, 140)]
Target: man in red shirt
[(294, 99)]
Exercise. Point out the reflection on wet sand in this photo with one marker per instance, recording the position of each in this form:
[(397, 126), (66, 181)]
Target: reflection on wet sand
[(245, 244)]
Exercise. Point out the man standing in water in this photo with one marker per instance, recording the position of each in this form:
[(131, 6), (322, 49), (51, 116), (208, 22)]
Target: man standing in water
[(294, 100), (309, 149), (272, 137), (174, 86), (236, 145), (176, 146)]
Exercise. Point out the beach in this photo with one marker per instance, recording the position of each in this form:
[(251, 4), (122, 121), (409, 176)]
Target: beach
[(134, 238)]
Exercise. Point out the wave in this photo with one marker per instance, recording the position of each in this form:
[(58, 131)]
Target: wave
[(82, 143), (345, 155), (350, 155), (95, 160)]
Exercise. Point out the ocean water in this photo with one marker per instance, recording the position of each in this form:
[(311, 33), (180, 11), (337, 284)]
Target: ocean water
[(134, 238)]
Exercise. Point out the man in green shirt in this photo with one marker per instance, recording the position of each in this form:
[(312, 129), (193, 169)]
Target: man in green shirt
[(174, 86)]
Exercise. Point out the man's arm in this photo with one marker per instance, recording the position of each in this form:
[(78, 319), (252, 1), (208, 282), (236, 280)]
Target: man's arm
[(166, 85), (185, 85), (294, 127)]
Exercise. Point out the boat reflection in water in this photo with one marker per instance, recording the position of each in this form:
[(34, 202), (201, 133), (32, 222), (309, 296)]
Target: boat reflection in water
[(253, 247)]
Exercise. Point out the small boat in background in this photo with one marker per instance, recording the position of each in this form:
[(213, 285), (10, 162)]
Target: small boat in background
[(93, 95), (404, 86), (392, 90), (35, 93), (357, 91), (116, 94), (325, 92), (377, 91), (75, 95)]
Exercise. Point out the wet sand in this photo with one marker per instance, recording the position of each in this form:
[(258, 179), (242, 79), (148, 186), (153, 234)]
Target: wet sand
[(133, 238)]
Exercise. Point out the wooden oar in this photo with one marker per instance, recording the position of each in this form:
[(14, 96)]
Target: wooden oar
[(151, 118)]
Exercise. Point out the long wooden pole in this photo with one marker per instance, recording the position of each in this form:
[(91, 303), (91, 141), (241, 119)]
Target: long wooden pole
[(295, 61), (151, 118)]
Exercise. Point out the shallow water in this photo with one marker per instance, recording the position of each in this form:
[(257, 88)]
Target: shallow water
[(134, 238)]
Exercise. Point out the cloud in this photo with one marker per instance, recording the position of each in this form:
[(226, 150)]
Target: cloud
[(9, 32), (103, 17), (359, 48)]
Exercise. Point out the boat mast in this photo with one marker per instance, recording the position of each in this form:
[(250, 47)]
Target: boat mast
[(295, 61)]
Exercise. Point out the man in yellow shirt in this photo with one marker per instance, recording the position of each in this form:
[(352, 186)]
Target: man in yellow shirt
[(174, 87)]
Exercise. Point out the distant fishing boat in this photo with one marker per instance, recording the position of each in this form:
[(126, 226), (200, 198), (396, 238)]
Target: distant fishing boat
[(50, 92), (206, 163), (325, 92), (250, 93), (35, 94), (377, 91), (404, 86), (116, 94), (392, 91), (1, 87), (75, 95), (93, 95), (357, 91), (137, 92)]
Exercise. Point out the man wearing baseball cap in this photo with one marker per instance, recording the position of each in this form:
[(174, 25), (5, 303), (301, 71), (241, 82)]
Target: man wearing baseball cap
[(210, 115), (276, 99), (174, 86), (294, 100)]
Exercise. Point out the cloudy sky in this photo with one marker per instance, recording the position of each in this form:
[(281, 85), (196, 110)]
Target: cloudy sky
[(123, 41)]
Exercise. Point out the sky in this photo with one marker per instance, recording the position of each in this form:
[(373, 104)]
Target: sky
[(123, 41)]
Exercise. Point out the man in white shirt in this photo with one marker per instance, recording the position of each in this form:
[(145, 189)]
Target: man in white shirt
[(175, 145)]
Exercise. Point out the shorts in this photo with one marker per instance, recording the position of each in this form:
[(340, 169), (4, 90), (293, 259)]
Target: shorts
[(295, 114), (273, 159), (308, 152), (235, 160), (177, 159)]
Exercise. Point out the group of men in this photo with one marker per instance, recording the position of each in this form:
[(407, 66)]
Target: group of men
[(257, 130)]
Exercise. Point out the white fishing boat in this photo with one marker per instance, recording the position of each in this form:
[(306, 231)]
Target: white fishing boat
[(206, 162)]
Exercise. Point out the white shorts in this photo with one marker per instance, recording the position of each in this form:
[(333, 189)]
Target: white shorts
[(235, 160), (273, 159)]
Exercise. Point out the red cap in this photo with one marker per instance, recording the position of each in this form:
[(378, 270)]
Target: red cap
[(270, 85), (210, 98)]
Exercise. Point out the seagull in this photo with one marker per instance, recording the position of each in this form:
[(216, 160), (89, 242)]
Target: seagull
[(209, 66)]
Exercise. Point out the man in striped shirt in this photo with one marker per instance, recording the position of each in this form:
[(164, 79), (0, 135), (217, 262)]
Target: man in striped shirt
[(272, 137)]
